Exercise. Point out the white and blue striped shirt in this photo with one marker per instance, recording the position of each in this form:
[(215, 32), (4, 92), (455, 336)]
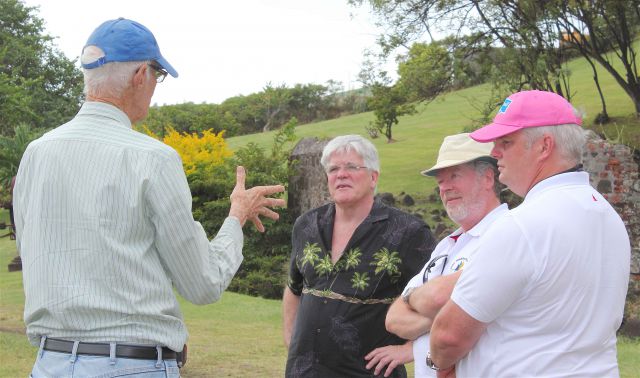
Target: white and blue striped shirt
[(105, 231)]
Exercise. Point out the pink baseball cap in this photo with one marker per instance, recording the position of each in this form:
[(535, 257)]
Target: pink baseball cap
[(528, 109)]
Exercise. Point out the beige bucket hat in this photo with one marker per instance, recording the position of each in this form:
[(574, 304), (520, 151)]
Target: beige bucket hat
[(460, 149)]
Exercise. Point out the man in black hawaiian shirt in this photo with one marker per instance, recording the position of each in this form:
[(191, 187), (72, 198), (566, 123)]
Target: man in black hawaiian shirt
[(350, 259)]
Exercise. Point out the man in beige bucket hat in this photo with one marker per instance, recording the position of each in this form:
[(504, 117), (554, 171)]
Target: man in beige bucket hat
[(467, 178)]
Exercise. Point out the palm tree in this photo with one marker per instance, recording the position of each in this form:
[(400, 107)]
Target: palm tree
[(359, 281), (310, 254), (386, 262), (324, 266), (352, 258)]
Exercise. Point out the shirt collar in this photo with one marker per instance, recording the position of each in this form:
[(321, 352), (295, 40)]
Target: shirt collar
[(94, 108), (484, 223), (562, 179)]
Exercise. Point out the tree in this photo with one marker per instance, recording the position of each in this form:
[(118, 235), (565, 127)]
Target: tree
[(604, 30), (426, 71), (185, 118), (39, 86), (275, 100), (528, 33), (11, 150), (388, 103)]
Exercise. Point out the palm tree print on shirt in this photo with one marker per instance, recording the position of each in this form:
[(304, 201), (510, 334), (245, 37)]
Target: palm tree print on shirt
[(352, 258), (310, 255), (386, 262), (325, 266), (359, 281)]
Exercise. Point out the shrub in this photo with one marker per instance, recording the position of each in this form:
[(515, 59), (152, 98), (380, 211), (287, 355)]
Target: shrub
[(198, 152), (265, 254), (211, 173)]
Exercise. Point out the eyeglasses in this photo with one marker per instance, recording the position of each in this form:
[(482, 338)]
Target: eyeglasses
[(434, 265), (159, 72), (349, 168)]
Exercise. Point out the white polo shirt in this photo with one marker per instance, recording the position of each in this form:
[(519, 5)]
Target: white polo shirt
[(450, 255), (551, 279)]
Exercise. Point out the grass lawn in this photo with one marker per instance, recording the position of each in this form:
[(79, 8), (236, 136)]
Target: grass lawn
[(240, 336)]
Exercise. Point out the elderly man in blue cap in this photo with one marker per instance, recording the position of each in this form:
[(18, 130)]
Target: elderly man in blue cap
[(105, 230)]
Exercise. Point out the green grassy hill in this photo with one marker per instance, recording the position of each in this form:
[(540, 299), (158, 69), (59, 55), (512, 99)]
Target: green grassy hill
[(418, 137)]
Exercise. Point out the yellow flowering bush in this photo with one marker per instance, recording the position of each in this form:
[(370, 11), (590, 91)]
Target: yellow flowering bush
[(211, 173), (198, 152)]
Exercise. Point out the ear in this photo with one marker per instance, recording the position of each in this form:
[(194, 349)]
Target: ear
[(140, 76), (547, 145), (489, 178), (374, 178)]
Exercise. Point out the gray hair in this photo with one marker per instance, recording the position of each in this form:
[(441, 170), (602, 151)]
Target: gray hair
[(481, 166), (108, 80), (347, 143), (569, 139)]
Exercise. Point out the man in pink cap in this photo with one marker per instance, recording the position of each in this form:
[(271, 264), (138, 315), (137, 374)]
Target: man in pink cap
[(545, 292)]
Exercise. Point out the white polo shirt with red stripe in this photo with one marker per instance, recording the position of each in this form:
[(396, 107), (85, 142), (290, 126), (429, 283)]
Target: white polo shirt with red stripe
[(550, 279), (450, 255)]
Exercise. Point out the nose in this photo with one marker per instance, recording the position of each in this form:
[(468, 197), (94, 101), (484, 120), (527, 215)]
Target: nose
[(443, 186), (342, 172), (495, 151)]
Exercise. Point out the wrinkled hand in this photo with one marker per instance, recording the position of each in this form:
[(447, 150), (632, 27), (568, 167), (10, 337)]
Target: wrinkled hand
[(389, 356), (250, 204)]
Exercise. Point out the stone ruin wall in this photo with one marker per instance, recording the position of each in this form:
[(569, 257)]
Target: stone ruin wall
[(614, 172), (308, 187)]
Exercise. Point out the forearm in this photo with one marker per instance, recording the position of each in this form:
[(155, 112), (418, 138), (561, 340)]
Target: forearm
[(290, 303), (403, 321), (225, 254), (201, 269), (428, 299), (453, 334)]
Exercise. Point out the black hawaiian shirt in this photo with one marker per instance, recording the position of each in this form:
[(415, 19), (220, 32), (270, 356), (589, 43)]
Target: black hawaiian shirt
[(343, 306)]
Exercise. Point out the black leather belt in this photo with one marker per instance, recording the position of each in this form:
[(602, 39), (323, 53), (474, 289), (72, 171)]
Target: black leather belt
[(100, 349)]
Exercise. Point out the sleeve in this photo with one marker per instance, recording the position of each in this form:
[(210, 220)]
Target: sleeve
[(417, 248), (200, 269), (295, 278), (503, 264), (17, 195)]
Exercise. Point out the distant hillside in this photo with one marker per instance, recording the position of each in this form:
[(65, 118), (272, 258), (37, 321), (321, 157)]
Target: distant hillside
[(419, 136)]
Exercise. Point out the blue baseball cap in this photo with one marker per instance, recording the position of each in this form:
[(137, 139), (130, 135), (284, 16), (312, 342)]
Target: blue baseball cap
[(125, 40)]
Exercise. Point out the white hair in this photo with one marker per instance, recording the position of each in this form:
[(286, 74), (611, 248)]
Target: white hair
[(569, 139), (356, 143), (482, 166), (108, 80)]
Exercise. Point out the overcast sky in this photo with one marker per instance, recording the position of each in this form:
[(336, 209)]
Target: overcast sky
[(233, 47)]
